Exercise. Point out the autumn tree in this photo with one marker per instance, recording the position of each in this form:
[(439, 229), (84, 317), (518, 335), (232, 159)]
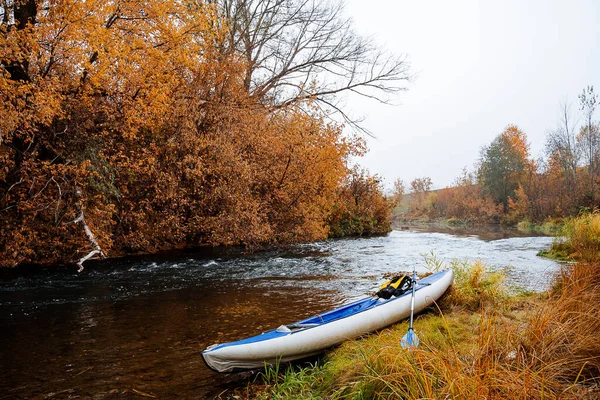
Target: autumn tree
[(465, 201), (133, 127), (503, 165), (420, 187), (361, 207), (128, 121), (89, 93), (466, 178), (543, 195)]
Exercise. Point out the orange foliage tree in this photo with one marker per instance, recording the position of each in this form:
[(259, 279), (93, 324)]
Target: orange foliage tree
[(511, 187), (361, 208), (465, 201), (420, 188), (88, 89), (127, 126)]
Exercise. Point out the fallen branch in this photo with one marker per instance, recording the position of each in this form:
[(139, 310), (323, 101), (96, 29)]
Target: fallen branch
[(91, 239)]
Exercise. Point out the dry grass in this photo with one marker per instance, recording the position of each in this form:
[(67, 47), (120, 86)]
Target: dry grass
[(564, 336), (582, 237), (536, 347), (475, 285)]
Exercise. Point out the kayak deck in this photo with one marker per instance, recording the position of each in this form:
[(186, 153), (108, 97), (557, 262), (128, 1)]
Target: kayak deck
[(328, 316)]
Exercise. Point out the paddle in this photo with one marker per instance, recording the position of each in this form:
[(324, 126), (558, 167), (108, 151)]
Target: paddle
[(411, 339)]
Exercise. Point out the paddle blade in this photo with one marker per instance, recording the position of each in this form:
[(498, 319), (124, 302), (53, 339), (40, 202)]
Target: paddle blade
[(409, 340)]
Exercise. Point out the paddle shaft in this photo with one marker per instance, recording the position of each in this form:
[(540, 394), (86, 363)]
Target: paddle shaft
[(412, 300), (410, 339)]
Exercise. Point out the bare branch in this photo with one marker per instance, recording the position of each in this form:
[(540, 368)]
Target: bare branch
[(13, 185), (57, 201), (297, 50)]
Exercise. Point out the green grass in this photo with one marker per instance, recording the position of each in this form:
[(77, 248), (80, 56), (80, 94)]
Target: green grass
[(553, 227), (557, 252), (290, 383), (475, 283)]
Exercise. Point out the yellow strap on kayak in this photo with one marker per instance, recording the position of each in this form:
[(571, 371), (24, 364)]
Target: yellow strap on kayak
[(385, 285), (395, 282)]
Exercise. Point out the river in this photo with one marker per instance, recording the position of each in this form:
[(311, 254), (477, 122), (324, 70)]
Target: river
[(135, 326)]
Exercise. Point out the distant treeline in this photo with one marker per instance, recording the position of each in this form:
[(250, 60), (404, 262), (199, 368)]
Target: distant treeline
[(130, 126), (507, 185)]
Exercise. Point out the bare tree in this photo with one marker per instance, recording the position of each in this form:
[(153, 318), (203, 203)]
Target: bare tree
[(297, 50), (561, 146), (589, 136), (420, 187), (465, 179), (399, 191)]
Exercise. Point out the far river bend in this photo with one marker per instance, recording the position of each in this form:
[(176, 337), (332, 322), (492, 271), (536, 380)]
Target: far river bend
[(138, 325)]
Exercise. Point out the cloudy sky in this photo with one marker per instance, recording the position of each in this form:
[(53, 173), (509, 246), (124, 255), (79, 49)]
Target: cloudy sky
[(479, 65)]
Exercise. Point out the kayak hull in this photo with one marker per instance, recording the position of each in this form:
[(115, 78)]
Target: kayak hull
[(312, 336)]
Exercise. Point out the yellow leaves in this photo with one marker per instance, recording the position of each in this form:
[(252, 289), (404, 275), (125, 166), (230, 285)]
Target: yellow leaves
[(518, 140), (135, 51)]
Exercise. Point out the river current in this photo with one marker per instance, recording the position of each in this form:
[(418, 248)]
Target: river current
[(136, 326)]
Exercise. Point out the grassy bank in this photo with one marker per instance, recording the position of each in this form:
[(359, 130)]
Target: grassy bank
[(482, 340), (551, 227), (579, 240)]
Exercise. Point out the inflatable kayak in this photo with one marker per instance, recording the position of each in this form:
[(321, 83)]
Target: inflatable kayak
[(313, 335)]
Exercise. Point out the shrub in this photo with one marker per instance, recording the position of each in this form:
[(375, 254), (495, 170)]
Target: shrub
[(583, 236), (360, 208), (475, 283)]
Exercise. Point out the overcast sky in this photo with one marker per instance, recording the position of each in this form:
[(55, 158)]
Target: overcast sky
[(480, 66)]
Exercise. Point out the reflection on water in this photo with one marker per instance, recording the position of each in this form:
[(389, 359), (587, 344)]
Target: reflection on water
[(140, 324)]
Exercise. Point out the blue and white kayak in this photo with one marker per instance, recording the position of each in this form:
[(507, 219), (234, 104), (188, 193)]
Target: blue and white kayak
[(313, 335)]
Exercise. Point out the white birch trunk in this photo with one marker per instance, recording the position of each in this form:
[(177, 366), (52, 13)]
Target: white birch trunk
[(92, 239)]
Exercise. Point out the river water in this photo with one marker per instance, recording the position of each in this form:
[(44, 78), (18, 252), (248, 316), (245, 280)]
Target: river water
[(136, 326)]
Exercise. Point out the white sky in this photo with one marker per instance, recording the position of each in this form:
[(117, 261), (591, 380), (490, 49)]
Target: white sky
[(480, 66)]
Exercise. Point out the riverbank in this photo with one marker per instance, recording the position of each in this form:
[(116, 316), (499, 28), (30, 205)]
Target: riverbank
[(141, 322), (551, 227), (482, 341), (520, 346)]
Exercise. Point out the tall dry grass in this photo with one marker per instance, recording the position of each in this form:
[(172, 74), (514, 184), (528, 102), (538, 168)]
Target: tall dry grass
[(475, 285), (582, 237), (538, 347), (563, 337), (555, 353)]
